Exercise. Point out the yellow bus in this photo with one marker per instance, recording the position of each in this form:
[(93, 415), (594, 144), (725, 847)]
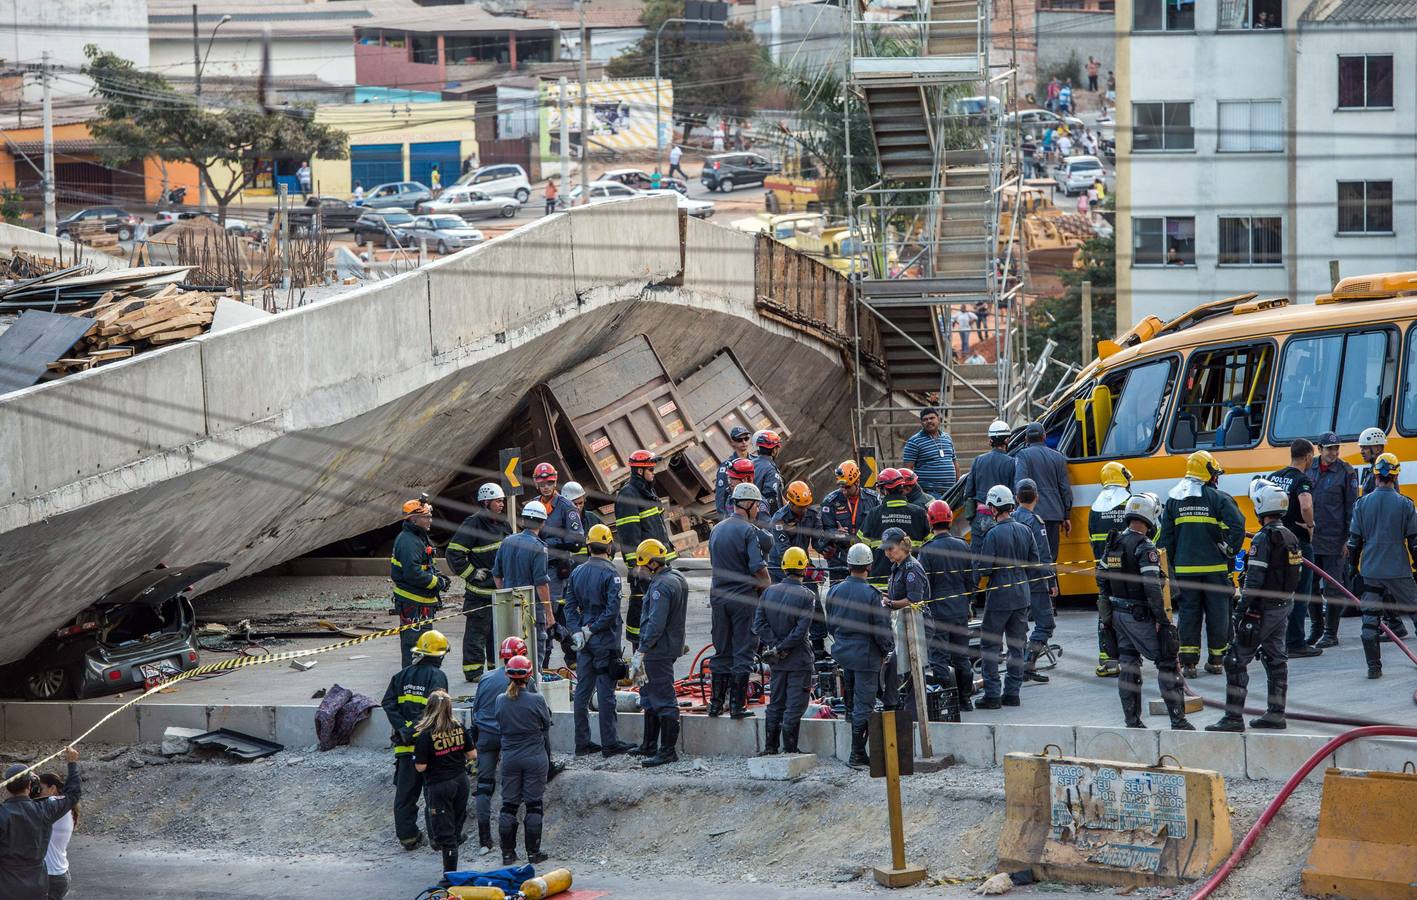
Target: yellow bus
[(1242, 378)]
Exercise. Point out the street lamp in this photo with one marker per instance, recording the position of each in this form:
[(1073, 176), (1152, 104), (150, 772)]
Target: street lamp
[(199, 62)]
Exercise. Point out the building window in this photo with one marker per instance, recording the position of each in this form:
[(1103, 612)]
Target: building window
[(1164, 241), (1250, 241), (1365, 82), (1365, 207), (1256, 14), (1162, 127), (1251, 126), (1164, 15)]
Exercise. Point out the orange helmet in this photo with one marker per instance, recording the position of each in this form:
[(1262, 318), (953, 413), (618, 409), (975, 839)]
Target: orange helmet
[(908, 477), (768, 440), (798, 494), (939, 513), (512, 646), (544, 472), (848, 473), (740, 470), (416, 508), (643, 459), (890, 479)]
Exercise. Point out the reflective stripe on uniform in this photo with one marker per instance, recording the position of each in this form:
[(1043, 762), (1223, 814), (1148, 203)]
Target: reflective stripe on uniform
[(416, 598), (623, 520), (1098, 537), (485, 592), (651, 512), (896, 503), (630, 630), (1202, 570), (432, 579), (395, 562), (485, 547), (401, 749), (413, 698), (1257, 564), (1186, 649), (454, 545), (1197, 520), (472, 667), (1151, 570)]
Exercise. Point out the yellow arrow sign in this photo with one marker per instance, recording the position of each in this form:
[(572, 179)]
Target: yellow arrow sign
[(867, 456), (512, 470)]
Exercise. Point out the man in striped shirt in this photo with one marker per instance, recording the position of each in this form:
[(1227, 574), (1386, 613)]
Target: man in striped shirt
[(931, 453)]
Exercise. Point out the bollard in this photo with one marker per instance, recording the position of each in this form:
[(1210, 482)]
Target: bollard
[(1366, 846), (899, 874)]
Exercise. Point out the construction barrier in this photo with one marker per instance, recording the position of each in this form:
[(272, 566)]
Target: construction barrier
[(1366, 847), (1092, 821)]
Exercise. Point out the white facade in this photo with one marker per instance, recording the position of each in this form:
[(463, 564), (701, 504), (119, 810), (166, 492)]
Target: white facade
[(328, 58), (63, 27)]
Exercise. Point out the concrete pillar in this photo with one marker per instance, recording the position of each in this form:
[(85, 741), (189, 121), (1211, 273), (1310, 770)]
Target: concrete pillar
[(512, 49), (441, 58)]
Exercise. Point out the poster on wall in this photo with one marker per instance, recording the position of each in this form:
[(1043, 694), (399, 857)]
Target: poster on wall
[(621, 113)]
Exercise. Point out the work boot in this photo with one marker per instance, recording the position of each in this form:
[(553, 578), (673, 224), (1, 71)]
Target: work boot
[(1131, 708), (1175, 700), (1395, 623), (412, 843), (1302, 651), (1107, 668), (1031, 654), (1316, 630), (617, 748), (1227, 722), (668, 741), (1374, 656), (484, 835), (1375, 672), (1214, 664), (964, 686), (588, 749), (1274, 709), (508, 836), (719, 694), (738, 698), (1189, 671), (553, 769), (533, 843), (1326, 641), (450, 860), (1010, 700), (789, 737), (987, 702), (650, 745), (858, 757), (770, 739)]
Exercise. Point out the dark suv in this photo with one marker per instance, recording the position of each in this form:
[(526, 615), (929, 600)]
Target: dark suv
[(726, 171), (115, 221)]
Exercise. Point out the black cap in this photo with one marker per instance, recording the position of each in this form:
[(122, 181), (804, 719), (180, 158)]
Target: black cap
[(1034, 430), (929, 411), (1329, 439), (739, 433), (892, 536), (1026, 484)]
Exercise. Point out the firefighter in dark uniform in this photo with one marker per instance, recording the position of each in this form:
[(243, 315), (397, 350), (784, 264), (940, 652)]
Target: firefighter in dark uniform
[(894, 512), (740, 575), (639, 515), (661, 643), (471, 553), (1201, 530), (1008, 559), (1133, 573), (860, 628), (1383, 540), (487, 737), (946, 560), (765, 473), (1042, 584), (563, 535), (782, 623), (843, 513), (521, 562), (1272, 572), (742, 440), (1108, 514), (417, 583), (913, 492), (908, 585), (405, 702), (799, 524), (1372, 443), (593, 615), (992, 467)]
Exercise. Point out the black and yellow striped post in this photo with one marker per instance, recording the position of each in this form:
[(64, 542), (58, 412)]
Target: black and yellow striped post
[(900, 873)]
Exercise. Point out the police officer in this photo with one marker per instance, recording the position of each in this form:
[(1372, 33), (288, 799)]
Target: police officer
[(417, 583), (1201, 529), (563, 534), (1042, 584), (1008, 558), (1294, 480), (25, 826), (525, 721), (487, 737), (1383, 538), (593, 615), (742, 442), (946, 561), (907, 586), (1335, 493), (639, 514), (1049, 470), (661, 643), (765, 473), (405, 701), (442, 753), (782, 622), (894, 512), (471, 553), (1108, 514), (992, 467), (860, 627), (1372, 443), (740, 574), (913, 492), (1133, 573), (521, 562), (843, 513), (1262, 616)]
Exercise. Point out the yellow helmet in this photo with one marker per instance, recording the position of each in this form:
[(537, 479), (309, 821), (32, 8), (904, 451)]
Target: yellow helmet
[(798, 494), (599, 534), (431, 643), (1203, 466), (1387, 465), (794, 560), (649, 549), (1116, 474)]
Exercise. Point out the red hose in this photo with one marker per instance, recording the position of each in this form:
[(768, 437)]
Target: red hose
[(1269, 812), (1391, 635)]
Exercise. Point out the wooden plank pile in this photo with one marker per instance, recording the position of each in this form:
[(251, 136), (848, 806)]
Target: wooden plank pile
[(94, 234), (124, 325)]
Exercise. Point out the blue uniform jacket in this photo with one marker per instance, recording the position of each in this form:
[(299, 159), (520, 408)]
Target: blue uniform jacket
[(666, 606), (411, 566), (563, 533), (945, 559), (769, 482), (523, 721), (908, 582), (788, 530), (782, 621), (736, 553), (859, 625), (490, 686), (521, 561), (1382, 522), (836, 516), (1007, 546), (720, 488), (1049, 470), (989, 469), (593, 601), (1038, 585)]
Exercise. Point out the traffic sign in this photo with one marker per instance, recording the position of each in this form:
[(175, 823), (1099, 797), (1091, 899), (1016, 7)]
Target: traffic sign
[(509, 461), (870, 465)]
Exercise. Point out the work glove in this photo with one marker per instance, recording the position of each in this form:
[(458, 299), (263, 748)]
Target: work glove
[(637, 668), (444, 582), (579, 639), (405, 736), (480, 575), (769, 655)]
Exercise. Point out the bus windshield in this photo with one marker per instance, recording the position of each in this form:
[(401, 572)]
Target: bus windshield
[(1137, 406)]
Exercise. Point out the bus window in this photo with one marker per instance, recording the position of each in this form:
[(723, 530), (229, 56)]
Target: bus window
[(1335, 382), (1223, 398), (1139, 398), (1407, 421)]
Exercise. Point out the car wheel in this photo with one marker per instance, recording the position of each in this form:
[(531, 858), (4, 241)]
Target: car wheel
[(50, 684), (359, 239), (523, 195), (389, 242), (726, 185), (771, 204), (442, 248), (125, 233), (508, 212)]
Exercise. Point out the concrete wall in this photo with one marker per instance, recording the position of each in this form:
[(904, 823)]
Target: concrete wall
[(63, 27), (328, 58), (37, 242), (1062, 33)]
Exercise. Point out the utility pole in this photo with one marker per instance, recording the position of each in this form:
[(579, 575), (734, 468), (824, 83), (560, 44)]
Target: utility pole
[(197, 70), (51, 221), (1087, 345), (565, 135), (585, 109)]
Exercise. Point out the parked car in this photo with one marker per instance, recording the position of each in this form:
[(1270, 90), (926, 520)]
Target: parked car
[(501, 180), (640, 180), (403, 194), (1037, 121), (167, 218), (115, 221), (446, 233), (602, 191), (1077, 173), (726, 171), (335, 214), (470, 203), (975, 109), (135, 636), (699, 209), (380, 226)]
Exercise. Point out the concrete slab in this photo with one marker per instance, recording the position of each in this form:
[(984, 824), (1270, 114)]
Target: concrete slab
[(121, 729), (970, 743), (257, 721), (295, 725), (1218, 751), (177, 740), (1385, 755), (1032, 739), (155, 718), (702, 736), (563, 732), (843, 741), (819, 736), (1275, 757), (782, 767), (38, 721), (372, 733), (1136, 745)]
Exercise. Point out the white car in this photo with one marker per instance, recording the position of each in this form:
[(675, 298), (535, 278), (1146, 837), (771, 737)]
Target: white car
[(501, 180), (602, 192), (699, 209), (1037, 121), (470, 203), (1077, 173), (445, 233)]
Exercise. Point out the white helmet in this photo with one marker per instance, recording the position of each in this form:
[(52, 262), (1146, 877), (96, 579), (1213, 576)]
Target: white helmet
[(1258, 484), (1271, 501), (534, 510), (747, 491), (1372, 437), (1143, 506), (490, 491), (859, 555), (999, 428), (572, 491), (999, 497)]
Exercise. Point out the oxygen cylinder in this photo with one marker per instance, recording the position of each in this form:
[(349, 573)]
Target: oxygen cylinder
[(477, 893), (550, 884)]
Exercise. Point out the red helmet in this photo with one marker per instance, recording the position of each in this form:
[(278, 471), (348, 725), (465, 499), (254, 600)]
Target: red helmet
[(939, 513), (544, 472), (643, 459), (768, 440), (740, 470), (519, 668), (512, 646), (908, 477), (889, 479)]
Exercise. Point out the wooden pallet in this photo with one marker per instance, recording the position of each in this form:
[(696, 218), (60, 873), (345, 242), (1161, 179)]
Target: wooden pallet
[(124, 324)]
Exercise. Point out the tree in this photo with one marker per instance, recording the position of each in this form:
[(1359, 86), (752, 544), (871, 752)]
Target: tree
[(709, 79), (1060, 318), (140, 114)]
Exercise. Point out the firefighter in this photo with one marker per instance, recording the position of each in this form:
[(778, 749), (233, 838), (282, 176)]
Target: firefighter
[(860, 628), (563, 534), (521, 562), (487, 737), (908, 585), (799, 524), (992, 467), (1372, 443), (525, 722), (740, 574), (1008, 558), (1383, 539), (574, 492), (1108, 514), (913, 492), (946, 561), (843, 513), (661, 643), (405, 701), (1272, 572), (1042, 583), (739, 471), (782, 623), (765, 473), (742, 440), (417, 583), (471, 553), (1144, 629), (1201, 529), (894, 512), (639, 515), (593, 615)]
